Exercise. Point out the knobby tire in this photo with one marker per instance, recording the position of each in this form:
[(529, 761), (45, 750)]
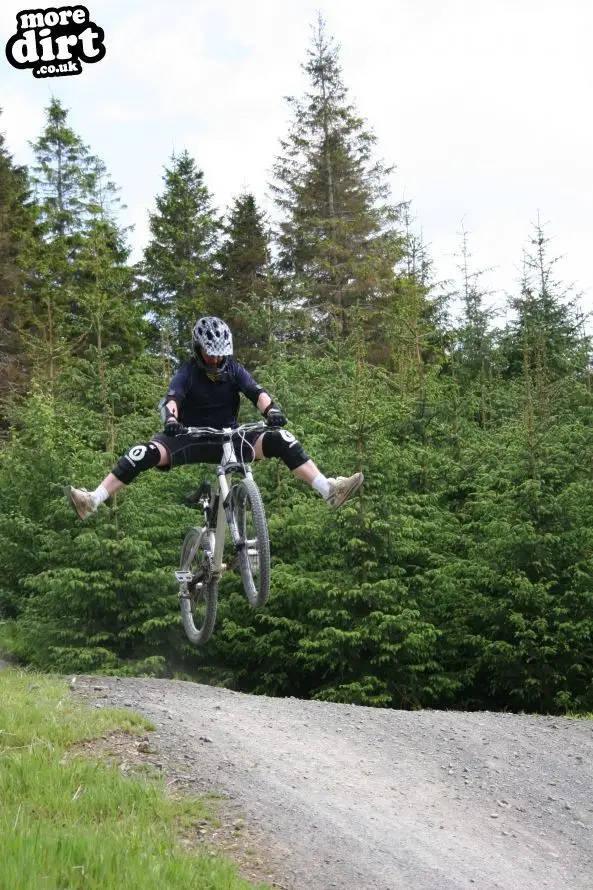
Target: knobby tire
[(247, 500)]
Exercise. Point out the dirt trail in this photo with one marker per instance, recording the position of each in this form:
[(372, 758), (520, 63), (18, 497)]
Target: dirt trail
[(366, 799)]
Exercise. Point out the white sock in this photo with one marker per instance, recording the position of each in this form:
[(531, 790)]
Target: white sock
[(99, 495), (321, 484)]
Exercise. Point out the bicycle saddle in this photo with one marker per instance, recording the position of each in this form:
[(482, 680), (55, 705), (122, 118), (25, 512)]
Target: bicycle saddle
[(193, 498)]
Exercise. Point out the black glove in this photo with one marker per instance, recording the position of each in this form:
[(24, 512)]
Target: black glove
[(275, 415), (173, 428)]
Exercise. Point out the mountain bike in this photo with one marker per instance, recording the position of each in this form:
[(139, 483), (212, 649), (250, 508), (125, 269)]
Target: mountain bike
[(238, 505)]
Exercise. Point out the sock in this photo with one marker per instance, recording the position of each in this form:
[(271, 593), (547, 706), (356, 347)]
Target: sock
[(99, 495), (321, 484)]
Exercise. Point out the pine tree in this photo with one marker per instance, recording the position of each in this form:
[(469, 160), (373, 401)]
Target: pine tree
[(178, 268), (338, 238)]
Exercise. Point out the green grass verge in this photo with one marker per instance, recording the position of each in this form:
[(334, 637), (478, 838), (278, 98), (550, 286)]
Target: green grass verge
[(70, 823)]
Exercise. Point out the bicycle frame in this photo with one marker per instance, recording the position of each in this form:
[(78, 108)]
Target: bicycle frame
[(231, 503), (228, 465)]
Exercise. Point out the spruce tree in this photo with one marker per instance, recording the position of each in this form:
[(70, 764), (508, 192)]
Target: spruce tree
[(178, 267), (65, 178), (545, 337), (339, 240), (91, 392), (17, 233), (472, 355), (64, 175), (246, 289), (109, 327), (409, 338)]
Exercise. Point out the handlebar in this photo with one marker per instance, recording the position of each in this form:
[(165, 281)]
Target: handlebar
[(211, 432)]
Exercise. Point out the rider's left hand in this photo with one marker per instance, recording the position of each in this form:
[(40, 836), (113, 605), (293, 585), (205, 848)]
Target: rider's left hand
[(173, 428)]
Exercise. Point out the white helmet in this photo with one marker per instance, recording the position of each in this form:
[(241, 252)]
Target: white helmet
[(213, 336)]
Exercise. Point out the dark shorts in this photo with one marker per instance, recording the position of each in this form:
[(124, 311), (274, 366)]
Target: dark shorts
[(187, 450)]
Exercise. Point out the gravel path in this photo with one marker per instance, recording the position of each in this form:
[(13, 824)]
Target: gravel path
[(367, 799)]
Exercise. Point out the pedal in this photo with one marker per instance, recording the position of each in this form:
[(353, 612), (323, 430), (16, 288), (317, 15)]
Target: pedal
[(183, 577)]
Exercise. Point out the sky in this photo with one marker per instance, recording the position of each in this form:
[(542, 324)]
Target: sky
[(483, 107)]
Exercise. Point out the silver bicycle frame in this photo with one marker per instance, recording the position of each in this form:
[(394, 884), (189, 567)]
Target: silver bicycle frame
[(213, 540), (228, 456)]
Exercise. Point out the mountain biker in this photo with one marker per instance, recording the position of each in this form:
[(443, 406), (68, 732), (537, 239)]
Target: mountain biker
[(205, 391)]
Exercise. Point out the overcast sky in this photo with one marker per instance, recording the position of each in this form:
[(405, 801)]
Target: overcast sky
[(484, 107)]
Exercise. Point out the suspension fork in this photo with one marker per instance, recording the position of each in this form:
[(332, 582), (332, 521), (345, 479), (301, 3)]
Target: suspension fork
[(226, 501), (223, 518), (226, 514)]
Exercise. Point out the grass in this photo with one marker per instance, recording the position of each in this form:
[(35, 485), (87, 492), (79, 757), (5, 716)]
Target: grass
[(71, 823)]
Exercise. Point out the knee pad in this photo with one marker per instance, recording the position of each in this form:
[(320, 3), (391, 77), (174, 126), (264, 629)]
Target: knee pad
[(282, 444), (135, 460)]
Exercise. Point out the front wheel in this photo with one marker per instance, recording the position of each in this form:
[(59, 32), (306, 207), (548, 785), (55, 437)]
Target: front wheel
[(253, 550), (198, 595)]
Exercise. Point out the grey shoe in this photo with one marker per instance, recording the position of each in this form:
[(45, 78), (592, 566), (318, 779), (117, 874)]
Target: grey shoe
[(342, 488), (81, 500)]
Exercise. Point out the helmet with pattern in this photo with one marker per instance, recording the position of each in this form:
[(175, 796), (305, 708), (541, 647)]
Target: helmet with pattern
[(213, 336), (212, 339)]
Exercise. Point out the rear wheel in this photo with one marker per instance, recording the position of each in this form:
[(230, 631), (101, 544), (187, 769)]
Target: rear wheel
[(254, 546), (198, 595)]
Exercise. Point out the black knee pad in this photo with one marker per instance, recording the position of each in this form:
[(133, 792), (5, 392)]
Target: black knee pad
[(282, 444), (138, 458)]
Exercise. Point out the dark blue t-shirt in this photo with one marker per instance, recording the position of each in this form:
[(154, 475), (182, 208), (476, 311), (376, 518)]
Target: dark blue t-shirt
[(205, 402)]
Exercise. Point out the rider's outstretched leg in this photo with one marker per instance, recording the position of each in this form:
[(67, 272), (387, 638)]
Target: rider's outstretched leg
[(282, 444), (134, 461)]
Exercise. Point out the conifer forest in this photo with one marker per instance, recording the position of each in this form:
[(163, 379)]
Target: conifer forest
[(460, 577)]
